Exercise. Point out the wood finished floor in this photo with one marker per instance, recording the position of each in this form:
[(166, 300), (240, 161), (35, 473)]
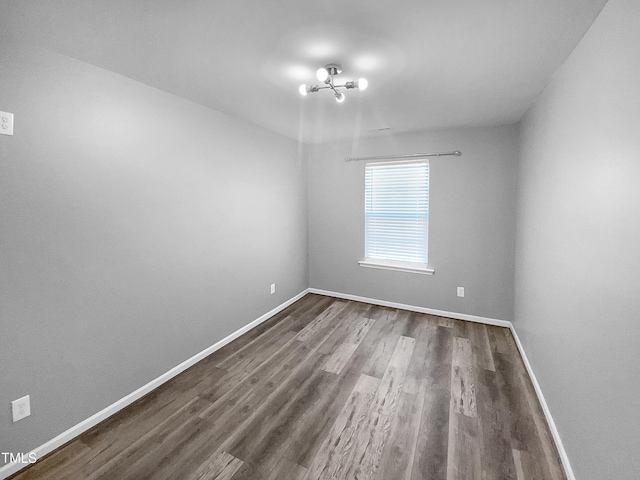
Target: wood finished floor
[(331, 389)]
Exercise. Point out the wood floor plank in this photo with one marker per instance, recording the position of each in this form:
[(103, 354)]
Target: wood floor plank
[(232, 418), (518, 465), (193, 381), (107, 448), (247, 362), (499, 339), (521, 426), (261, 440), (391, 384), (399, 451), (418, 365), (497, 459), (121, 465), (303, 313), (156, 464), (58, 462), (346, 321), (307, 306), (187, 457), (246, 472), (286, 469), (464, 453), (244, 359), (343, 353), (258, 360), (330, 388), (267, 361), (481, 347), (411, 322), (321, 321), (359, 331), (430, 459), (257, 386), (528, 467), (204, 443), (462, 328), (146, 413), (254, 354), (464, 447), (378, 312), (463, 389), (445, 322), (336, 362), (220, 466), (368, 447), (390, 327), (312, 430), (542, 432), (529, 434), (337, 448)]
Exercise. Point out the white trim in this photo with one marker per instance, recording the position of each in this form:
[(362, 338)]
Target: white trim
[(413, 308), (489, 321), (545, 408), (397, 265), (68, 435), (12, 468)]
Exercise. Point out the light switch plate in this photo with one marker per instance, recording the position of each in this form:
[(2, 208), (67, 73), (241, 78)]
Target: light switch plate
[(6, 123)]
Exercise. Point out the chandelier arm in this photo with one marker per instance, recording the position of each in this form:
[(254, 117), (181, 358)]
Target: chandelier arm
[(332, 70), (315, 88)]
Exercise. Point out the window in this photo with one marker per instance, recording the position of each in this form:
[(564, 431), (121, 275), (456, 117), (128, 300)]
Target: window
[(397, 216)]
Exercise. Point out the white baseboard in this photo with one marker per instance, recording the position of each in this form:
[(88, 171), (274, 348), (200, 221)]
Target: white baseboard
[(545, 408), (413, 308), (70, 434), (11, 468), (489, 321)]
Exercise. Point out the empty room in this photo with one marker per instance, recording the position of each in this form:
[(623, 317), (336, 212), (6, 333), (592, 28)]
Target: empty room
[(303, 240)]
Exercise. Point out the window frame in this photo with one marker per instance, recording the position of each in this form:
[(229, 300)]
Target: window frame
[(396, 264)]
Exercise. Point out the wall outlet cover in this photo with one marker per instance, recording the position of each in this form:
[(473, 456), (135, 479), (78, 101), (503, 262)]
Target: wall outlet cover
[(6, 123), (21, 408)]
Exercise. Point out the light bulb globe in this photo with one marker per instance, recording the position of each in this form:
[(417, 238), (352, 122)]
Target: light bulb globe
[(363, 83), (322, 74), (340, 97), (303, 90)]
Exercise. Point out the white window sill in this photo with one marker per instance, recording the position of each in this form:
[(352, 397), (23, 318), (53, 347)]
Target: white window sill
[(397, 265)]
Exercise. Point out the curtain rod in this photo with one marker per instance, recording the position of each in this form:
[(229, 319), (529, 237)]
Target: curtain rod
[(457, 153)]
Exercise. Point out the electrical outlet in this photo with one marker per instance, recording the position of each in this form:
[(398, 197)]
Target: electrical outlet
[(6, 123), (461, 291), (21, 408), (273, 288)]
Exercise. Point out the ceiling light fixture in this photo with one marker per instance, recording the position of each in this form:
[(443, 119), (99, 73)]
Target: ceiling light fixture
[(325, 75)]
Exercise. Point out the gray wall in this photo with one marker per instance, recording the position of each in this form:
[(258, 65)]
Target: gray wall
[(471, 225), (136, 229), (577, 307)]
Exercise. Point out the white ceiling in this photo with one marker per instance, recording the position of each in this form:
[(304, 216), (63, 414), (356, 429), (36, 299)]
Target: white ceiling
[(430, 63)]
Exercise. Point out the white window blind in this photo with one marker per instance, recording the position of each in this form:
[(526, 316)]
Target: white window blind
[(397, 212)]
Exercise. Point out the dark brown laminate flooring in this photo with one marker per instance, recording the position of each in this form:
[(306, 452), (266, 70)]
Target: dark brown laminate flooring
[(331, 389)]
